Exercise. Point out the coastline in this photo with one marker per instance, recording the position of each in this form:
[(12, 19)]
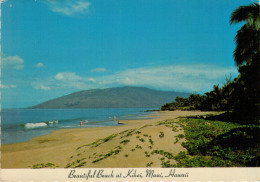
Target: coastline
[(60, 147)]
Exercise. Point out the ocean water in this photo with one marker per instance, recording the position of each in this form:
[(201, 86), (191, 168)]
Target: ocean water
[(19, 125)]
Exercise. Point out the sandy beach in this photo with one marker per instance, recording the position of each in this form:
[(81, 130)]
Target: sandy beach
[(127, 145)]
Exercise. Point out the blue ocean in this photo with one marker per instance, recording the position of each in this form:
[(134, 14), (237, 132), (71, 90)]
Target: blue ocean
[(19, 125)]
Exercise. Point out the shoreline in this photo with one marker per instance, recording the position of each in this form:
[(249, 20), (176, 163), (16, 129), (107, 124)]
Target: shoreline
[(60, 146), (120, 123)]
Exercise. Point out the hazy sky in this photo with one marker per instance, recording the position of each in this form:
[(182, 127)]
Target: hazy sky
[(55, 47)]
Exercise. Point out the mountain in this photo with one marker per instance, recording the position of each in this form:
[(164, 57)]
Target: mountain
[(120, 97)]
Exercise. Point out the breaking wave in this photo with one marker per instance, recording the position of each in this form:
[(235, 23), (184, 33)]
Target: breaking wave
[(40, 124)]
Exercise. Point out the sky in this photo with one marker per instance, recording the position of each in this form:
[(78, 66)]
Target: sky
[(51, 48)]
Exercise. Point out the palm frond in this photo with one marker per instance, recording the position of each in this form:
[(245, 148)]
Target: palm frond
[(248, 13), (247, 44)]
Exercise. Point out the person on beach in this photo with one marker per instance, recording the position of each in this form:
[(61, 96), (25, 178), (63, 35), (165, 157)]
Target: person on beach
[(80, 123), (116, 120)]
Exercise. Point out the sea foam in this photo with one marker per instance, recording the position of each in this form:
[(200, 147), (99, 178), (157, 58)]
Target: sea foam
[(40, 124), (35, 125)]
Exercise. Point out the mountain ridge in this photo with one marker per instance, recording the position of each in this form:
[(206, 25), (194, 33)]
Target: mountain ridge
[(117, 97)]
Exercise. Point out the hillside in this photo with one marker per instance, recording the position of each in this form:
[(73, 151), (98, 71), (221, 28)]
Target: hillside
[(120, 97)]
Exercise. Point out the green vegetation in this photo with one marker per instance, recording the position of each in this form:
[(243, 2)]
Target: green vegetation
[(129, 133), (142, 140), (122, 132), (231, 138), (246, 96), (147, 125), (138, 147), (99, 141), (216, 144), (178, 137), (161, 134), (77, 163), (42, 165), (149, 164), (170, 124), (119, 147), (239, 97), (80, 165), (125, 142), (190, 103), (147, 154), (162, 158), (151, 141), (104, 156), (137, 132)]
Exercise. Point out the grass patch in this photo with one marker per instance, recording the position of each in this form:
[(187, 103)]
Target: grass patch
[(81, 164), (99, 141), (169, 123), (216, 144), (146, 126), (129, 133), (119, 147), (178, 137), (161, 134), (138, 147), (43, 165), (151, 141), (76, 164), (149, 164), (123, 132), (142, 140), (104, 156), (162, 158), (125, 142), (147, 154)]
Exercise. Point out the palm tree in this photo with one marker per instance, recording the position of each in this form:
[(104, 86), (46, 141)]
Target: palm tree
[(248, 36), (247, 58), (214, 97)]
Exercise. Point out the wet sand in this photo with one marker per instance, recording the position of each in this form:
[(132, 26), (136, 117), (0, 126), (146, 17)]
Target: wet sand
[(128, 145)]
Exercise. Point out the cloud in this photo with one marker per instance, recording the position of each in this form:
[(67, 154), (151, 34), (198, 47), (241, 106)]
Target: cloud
[(39, 65), (13, 62), (42, 87), (92, 79), (7, 86), (67, 76), (69, 7), (99, 70), (69, 80), (190, 78), (63, 80)]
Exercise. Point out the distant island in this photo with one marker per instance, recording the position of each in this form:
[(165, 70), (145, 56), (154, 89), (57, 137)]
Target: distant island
[(119, 97)]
